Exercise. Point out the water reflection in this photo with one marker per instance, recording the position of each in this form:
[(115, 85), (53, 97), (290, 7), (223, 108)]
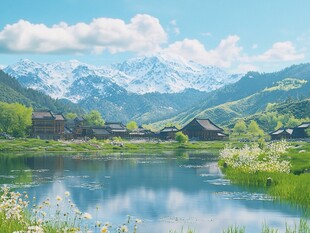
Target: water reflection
[(168, 191)]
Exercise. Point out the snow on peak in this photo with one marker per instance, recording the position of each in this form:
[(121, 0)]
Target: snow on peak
[(161, 73)]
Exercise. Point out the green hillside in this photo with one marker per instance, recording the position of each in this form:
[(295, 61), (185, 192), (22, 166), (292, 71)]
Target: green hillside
[(249, 96), (12, 92)]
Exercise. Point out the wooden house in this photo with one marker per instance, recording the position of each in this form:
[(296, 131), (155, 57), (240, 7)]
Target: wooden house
[(47, 125), (140, 132), (204, 130), (297, 132), (100, 133), (117, 129), (168, 133), (300, 130), (281, 133)]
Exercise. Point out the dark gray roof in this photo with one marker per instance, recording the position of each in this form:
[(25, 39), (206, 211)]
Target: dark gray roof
[(79, 119), (169, 129), (101, 131), (59, 117), (47, 115), (116, 127), (43, 115), (208, 125)]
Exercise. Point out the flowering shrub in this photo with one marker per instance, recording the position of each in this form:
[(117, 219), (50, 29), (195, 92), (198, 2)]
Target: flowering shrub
[(253, 159), (12, 205), (64, 217)]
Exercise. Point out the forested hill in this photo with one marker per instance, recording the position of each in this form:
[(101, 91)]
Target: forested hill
[(12, 92), (250, 95)]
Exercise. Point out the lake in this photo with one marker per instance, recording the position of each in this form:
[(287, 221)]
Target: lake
[(168, 191)]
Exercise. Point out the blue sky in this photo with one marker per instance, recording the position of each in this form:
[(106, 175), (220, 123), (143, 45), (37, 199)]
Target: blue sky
[(235, 35)]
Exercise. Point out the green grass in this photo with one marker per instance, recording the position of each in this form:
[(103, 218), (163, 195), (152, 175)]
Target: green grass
[(299, 156), (9, 226), (293, 187), (235, 229), (301, 227), (100, 145)]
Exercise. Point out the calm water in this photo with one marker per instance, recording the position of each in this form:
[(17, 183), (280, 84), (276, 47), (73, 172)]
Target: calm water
[(167, 191)]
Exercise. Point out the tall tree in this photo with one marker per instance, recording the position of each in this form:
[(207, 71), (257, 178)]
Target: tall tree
[(240, 127), (93, 118), (254, 129), (15, 119), (279, 125), (292, 122), (131, 125), (71, 115)]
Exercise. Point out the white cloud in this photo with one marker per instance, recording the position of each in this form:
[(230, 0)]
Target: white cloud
[(143, 34), (207, 34), (223, 55), (228, 54), (254, 46), (280, 51), (175, 29)]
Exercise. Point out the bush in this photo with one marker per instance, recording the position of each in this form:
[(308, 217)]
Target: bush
[(181, 137)]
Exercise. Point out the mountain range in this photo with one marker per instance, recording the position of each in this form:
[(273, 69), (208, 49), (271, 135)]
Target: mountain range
[(140, 75), (250, 95), (11, 91), (145, 89), (162, 89)]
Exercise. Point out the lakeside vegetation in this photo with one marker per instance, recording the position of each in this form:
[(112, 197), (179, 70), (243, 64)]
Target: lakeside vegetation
[(281, 169), (20, 214), (30, 144)]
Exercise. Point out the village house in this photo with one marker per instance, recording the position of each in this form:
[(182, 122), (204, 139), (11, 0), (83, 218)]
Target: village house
[(142, 133), (203, 130), (47, 125), (168, 133), (297, 132), (118, 129), (281, 133)]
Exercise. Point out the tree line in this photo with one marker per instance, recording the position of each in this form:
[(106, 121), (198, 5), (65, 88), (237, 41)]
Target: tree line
[(15, 119)]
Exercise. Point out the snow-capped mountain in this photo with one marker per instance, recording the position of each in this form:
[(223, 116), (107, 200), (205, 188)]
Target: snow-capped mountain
[(167, 74), (75, 81)]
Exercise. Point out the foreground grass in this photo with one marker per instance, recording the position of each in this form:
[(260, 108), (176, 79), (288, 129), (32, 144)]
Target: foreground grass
[(19, 215), (301, 227), (99, 145)]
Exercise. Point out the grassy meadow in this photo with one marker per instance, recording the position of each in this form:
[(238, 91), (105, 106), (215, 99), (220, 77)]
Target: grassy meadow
[(291, 185)]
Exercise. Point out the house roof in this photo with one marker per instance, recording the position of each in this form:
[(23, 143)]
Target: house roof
[(101, 131), (47, 115), (282, 130), (116, 127), (304, 125), (208, 124), (59, 117), (43, 115), (79, 119), (140, 131), (169, 129)]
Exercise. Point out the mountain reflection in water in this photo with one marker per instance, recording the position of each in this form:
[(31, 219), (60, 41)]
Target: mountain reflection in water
[(167, 191)]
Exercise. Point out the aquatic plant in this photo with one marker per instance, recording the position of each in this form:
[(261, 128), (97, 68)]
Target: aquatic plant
[(235, 229)]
